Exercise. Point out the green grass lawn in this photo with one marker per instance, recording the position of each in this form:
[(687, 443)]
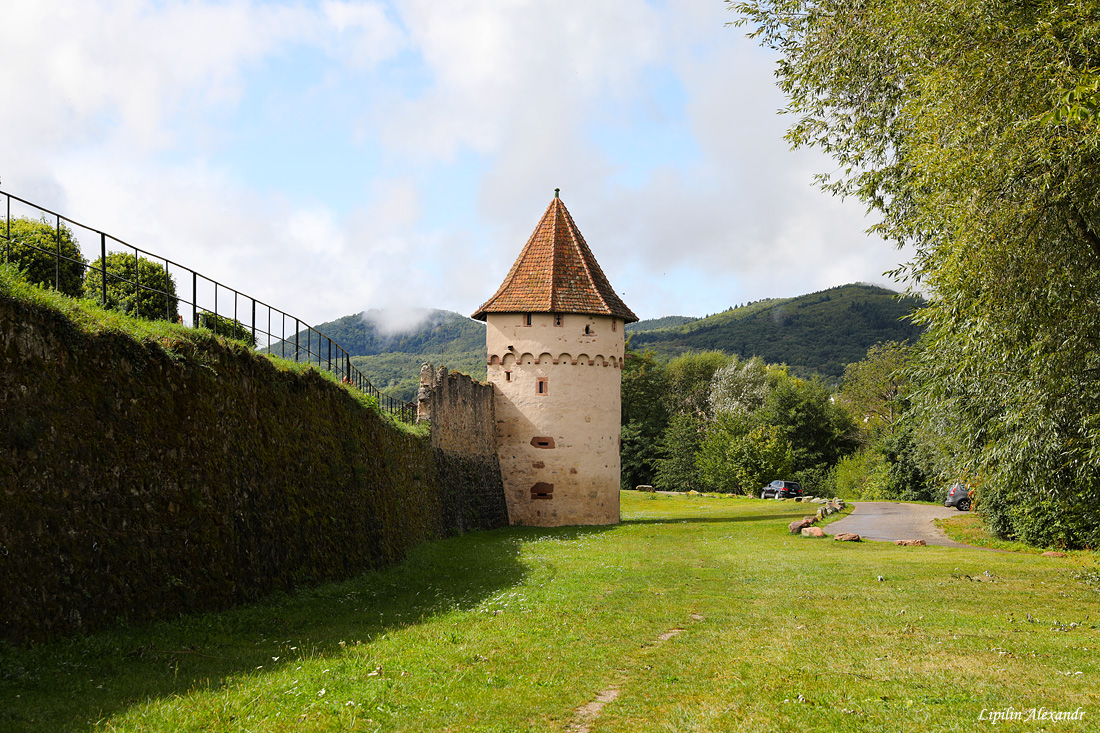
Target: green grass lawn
[(518, 629)]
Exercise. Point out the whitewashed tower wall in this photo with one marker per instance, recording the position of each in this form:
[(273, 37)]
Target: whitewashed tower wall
[(558, 443)]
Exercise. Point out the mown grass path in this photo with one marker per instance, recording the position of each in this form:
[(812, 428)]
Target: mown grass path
[(700, 614)]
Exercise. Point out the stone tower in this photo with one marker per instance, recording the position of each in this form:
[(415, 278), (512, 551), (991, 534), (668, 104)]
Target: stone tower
[(555, 336)]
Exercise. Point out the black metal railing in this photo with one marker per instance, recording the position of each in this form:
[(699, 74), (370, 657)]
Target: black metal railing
[(213, 304)]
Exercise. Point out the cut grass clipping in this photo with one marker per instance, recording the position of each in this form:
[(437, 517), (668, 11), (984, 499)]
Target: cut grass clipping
[(694, 614)]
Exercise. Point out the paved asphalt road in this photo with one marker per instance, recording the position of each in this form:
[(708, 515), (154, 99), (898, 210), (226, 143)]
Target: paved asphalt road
[(887, 521)]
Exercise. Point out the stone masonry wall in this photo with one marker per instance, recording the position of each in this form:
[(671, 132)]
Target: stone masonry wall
[(463, 436), (139, 482)]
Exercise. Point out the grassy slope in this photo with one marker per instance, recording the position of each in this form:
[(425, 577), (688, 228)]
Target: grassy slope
[(89, 317), (514, 630)]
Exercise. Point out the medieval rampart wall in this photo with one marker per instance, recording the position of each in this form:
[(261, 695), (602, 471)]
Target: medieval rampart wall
[(141, 480)]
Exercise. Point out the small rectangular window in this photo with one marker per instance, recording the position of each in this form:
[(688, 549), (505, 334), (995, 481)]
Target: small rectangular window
[(543, 385), (507, 376), (526, 319)]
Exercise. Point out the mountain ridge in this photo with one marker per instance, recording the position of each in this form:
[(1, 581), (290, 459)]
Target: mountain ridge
[(817, 333)]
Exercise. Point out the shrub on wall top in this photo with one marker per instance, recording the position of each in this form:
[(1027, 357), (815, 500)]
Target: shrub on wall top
[(48, 254), (128, 277)]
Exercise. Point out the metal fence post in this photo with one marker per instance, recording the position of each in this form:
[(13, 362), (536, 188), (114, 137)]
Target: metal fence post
[(103, 269), (253, 323), (167, 297), (194, 299), (295, 339), (57, 260), (137, 282)]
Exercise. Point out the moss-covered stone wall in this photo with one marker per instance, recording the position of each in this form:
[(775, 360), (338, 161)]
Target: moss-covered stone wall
[(139, 480)]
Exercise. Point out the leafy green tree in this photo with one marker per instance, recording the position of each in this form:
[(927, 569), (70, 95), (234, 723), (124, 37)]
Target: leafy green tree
[(737, 458), (715, 458), (762, 456), (739, 388), (862, 475), (819, 431), (676, 469), (644, 417), (154, 300), (906, 477), (876, 390), (47, 254), (689, 378), (995, 185)]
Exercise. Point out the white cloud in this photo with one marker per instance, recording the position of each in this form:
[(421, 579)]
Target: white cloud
[(131, 116)]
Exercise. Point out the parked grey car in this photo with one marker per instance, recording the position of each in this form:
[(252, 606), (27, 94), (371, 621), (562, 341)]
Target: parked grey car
[(958, 496), (781, 490)]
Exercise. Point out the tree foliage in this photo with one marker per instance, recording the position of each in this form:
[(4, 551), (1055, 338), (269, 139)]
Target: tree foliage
[(739, 388), (689, 378), (765, 424), (876, 389), (136, 286), (967, 125), (228, 327), (48, 255), (676, 466), (819, 431), (644, 417)]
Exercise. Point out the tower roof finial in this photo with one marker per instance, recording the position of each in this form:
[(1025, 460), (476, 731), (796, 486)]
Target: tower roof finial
[(556, 192)]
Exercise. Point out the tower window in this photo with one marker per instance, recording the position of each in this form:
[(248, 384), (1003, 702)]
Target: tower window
[(507, 376), (614, 324), (557, 319), (587, 330), (543, 386), (526, 319), (542, 490)]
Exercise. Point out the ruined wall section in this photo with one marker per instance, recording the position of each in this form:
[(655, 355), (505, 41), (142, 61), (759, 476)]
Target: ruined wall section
[(461, 413)]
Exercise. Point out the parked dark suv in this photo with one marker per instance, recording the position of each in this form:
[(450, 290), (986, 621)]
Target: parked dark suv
[(958, 496), (781, 490)]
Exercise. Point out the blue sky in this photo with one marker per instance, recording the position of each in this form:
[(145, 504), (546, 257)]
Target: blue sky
[(331, 157)]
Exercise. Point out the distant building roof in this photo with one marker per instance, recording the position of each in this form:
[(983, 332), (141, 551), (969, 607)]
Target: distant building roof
[(556, 273)]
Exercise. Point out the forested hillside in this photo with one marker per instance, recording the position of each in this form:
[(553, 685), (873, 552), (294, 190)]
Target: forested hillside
[(390, 353), (652, 324), (819, 333), (427, 332)]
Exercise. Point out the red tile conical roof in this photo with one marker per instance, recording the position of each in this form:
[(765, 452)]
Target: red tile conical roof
[(556, 273)]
